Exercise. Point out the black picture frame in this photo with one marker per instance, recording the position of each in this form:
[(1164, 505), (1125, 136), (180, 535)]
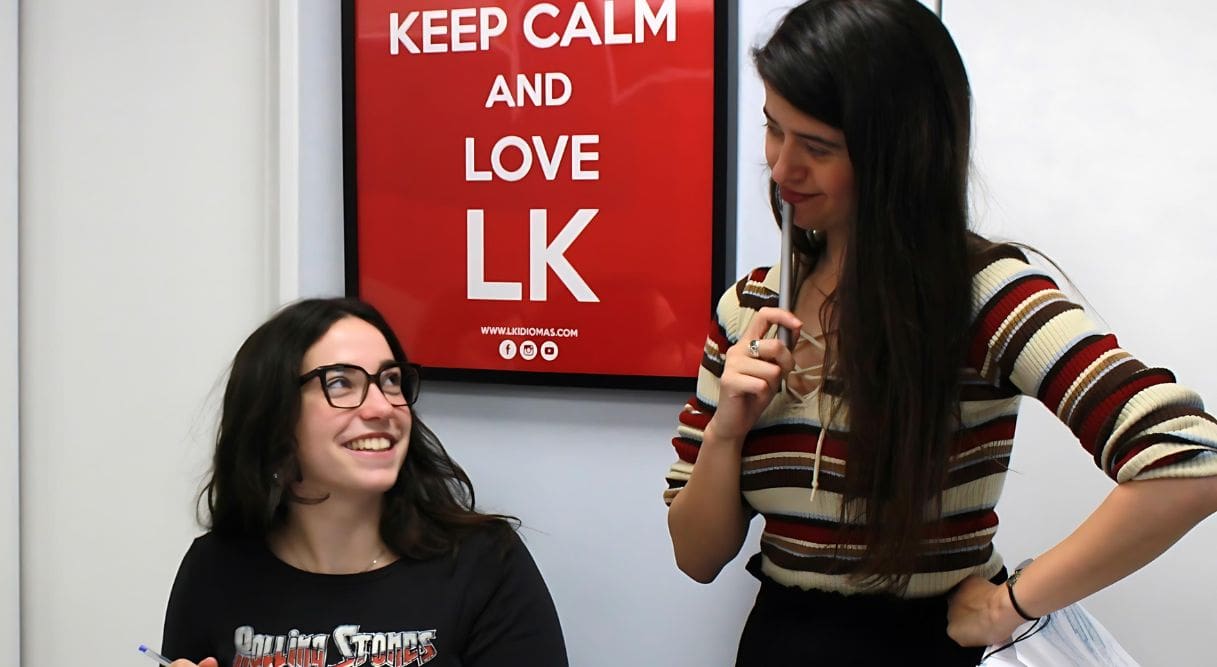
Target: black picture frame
[(723, 87)]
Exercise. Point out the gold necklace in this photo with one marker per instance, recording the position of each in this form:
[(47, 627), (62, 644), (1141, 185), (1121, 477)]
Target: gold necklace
[(383, 552)]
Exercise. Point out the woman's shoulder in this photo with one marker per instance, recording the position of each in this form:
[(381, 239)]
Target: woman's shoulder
[(998, 267), (211, 562), (494, 540), (984, 253), (215, 550), (754, 290)]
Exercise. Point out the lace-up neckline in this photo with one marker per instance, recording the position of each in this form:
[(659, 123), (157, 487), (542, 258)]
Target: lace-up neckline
[(810, 375), (813, 375)]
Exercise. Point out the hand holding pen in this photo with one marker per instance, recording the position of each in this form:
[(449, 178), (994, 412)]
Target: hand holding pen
[(207, 662)]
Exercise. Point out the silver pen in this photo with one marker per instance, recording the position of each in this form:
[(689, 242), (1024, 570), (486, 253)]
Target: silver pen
[(786, 268)]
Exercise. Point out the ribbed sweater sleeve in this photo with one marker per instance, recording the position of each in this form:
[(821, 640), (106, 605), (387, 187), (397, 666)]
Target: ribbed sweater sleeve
[(1134, 420)]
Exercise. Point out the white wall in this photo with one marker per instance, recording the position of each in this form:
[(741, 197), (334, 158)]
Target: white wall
[(150, 246), (320, 193), (10, 574), (1095, 143), (144, 262)]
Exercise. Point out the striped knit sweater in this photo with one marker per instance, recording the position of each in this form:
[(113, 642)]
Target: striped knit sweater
[(1027, 339)]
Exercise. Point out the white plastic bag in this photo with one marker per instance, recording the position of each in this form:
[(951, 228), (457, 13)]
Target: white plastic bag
[(1071, 638)]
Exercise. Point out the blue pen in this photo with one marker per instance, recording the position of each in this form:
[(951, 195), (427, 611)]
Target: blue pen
[(154, 655)]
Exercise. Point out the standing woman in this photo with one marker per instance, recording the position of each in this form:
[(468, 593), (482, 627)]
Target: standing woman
[(876, 449), (341, 533)]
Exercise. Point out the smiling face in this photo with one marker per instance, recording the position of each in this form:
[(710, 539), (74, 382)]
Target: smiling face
[(809, 161), (349, 452)]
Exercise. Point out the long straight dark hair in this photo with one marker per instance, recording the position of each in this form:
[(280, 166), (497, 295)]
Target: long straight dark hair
[(426, 512), (887, 74)]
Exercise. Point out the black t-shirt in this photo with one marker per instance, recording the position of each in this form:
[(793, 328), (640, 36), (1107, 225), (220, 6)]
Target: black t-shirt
[(488, 605)]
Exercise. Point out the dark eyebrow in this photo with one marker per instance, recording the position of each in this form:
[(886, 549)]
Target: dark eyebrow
[(814, 138)]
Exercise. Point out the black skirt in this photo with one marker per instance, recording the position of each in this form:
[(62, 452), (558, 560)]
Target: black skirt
[(790, 626)]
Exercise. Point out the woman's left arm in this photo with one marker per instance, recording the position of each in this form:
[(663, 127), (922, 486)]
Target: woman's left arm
[(515, 621), (1141, 428), (1136, 523)]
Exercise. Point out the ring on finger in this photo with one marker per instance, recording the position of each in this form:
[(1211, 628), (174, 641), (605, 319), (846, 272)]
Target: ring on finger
[(754, 349)]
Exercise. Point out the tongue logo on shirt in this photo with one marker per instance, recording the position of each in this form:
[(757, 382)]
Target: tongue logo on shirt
[(354, 648)]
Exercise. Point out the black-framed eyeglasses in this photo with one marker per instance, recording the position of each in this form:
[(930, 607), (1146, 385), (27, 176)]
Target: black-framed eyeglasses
[(346, 385)]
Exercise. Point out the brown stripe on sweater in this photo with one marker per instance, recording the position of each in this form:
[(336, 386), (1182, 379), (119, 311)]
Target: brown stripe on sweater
[(806, 549), (1120, 454), (1077, 349), (793, 428), (1114, 378), (1105, 363), (787, 478), (754, 296), (827, 466), (971, 542), (976, 332), (992, 253), (974, 471), (955, 561), (811, 522), (844, 563), (1016, 318), (997, 452), (818, 551), (1150, 441), (1166, 412), (1028, 329), (714, 364), (838, 563), (977, 435), (701, 406), (1109, 424)]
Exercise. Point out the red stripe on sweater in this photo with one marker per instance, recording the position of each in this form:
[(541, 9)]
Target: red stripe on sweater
[(695, 417), (823, 534), (963, 524), (1001, 428), (988, 325), (1167, 460), (686, 449)]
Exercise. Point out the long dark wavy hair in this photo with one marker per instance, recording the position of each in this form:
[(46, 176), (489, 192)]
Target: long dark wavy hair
[(888, 75), (425, 514)]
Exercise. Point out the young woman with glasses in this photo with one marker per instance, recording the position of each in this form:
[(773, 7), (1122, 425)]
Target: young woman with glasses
[(340, 531)]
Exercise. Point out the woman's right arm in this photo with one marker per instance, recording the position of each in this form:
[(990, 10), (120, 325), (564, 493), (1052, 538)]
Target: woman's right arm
[(707, 519)]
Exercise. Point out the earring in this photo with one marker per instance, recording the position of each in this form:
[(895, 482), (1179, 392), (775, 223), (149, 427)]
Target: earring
[(274, 497)]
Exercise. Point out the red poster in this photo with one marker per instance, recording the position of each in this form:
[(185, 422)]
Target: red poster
[(533, 187)]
